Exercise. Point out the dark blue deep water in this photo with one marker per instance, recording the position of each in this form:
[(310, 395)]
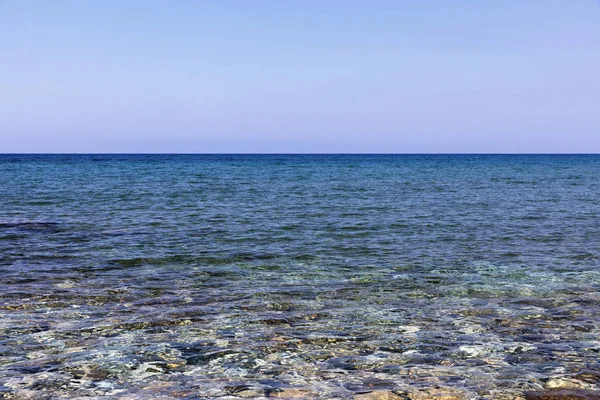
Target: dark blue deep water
[(330, 276)]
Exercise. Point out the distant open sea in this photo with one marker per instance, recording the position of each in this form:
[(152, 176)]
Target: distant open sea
[(299, 276)]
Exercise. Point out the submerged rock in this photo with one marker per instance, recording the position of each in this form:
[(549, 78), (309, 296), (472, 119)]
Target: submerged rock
[(293, 393), (563, 383), (378, 395), (438, 393), (564, 394), (245, 391), (589, 376)]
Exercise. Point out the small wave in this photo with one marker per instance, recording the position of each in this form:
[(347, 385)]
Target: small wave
[(30, 226), (180, 259)]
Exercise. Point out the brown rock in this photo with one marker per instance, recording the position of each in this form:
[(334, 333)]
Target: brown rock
[(440, 393), (377, 395), (589, 376), (244, 391), (90, 372), (564, 394), (293, 393), (250, 393)]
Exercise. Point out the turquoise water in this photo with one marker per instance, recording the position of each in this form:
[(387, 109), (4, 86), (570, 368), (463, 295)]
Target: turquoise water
[(208, 276)]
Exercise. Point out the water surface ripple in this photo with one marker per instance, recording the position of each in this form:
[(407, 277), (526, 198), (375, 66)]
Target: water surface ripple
[(330, 276)]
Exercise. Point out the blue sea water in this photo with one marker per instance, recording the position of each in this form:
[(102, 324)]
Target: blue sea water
[(207, 276)]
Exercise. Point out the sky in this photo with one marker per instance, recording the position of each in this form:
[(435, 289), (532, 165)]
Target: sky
[(300, 76)]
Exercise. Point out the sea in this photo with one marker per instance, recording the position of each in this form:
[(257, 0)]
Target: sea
[(299, 276)]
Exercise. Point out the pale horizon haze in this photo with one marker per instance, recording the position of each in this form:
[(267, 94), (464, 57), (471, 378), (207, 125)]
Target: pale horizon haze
[(266, 76)]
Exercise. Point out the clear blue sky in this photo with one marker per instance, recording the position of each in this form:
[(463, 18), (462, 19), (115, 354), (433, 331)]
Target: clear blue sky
[(300, 76)]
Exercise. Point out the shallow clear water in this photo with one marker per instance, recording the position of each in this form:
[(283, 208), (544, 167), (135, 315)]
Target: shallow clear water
[(332, 275)]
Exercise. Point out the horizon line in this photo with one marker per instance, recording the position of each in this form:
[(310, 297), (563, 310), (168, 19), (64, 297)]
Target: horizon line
[(291, 153)]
